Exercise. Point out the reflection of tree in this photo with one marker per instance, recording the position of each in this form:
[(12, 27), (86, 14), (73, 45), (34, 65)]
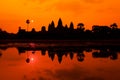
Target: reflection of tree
[(28, 60), (105, 53), (80, 56), (113, 54), (33, 52), (88, 50), (102, 52)]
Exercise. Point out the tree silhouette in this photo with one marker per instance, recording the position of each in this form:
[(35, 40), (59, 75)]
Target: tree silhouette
[(80, 57), (43, 29), (114, 26), (33, 30), (95, 28), (61, 32), (28, 22), (81, 26)]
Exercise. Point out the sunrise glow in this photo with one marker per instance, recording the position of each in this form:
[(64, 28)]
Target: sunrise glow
[(32, 59), (32, 21), (13, 13), (59, 39)]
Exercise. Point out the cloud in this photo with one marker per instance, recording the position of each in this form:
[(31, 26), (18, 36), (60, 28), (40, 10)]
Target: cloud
[(41, 1), (93, 1), (69, 6), (76, 72), (62, 7), (108, 10), (63, 74), (69, 74)]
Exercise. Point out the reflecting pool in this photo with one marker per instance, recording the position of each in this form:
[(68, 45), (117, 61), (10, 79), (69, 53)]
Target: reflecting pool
[(45, 62)]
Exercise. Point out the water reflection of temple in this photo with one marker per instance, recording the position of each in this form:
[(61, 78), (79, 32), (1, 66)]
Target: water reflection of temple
[(59, 51), (104, 52)]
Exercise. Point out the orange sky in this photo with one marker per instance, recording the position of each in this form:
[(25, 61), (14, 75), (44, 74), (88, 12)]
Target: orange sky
[(13, 13)]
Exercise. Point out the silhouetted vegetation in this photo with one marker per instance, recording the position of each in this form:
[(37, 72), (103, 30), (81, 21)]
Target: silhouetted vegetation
[(61, 32), (78, 52)]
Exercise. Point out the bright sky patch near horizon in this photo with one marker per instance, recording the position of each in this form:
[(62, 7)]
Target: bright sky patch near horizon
[(13, 13)]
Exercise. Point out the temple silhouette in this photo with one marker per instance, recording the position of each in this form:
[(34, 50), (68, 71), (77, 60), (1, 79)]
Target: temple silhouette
[(74, 52), (66, 32), (77, 52)]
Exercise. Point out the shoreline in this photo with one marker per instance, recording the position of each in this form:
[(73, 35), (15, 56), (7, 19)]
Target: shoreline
[(61, 43)]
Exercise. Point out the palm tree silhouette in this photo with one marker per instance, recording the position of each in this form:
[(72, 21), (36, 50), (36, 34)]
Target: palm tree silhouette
[(28, 60), (27, 22)]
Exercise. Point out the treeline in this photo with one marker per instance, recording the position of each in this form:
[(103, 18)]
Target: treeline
[(59, 52), (66, 32)]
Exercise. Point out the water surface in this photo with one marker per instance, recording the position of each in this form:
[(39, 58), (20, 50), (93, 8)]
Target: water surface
[(59, 63)]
